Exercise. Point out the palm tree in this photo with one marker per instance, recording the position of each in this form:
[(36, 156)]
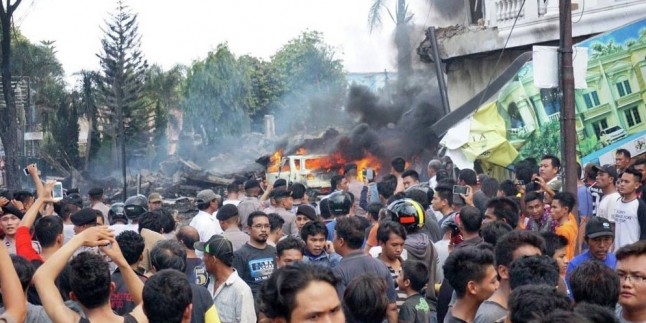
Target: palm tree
[(402, 18)]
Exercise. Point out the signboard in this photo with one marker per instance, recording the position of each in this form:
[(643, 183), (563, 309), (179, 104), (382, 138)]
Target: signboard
[(34, 135)]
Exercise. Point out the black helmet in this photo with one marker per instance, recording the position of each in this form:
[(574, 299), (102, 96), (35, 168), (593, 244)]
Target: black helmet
[(408, 213), (339, 203), (116, 212), (135, 206)]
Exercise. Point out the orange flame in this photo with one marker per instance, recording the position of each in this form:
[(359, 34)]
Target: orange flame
[(332, 162)]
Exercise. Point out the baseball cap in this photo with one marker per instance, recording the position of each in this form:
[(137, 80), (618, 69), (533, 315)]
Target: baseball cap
[(206, 196), (84, 217), (226, 212), (598, 227), (608, 169), (154, 197), (219, 247)]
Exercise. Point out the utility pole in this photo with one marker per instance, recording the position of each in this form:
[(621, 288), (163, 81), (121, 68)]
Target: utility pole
[(441, 84), (566, 73)]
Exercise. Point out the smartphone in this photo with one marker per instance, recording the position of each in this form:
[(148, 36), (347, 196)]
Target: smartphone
[(519, 182), (369, 174), (456, 236), (26, 171), (458, 189), (57, 192)]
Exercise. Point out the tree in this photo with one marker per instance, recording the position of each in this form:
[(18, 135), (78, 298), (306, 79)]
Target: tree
[(64, 129), (123, 71), (218, 96), (89, 108), (9, 122), (402, 19), (312, 82)]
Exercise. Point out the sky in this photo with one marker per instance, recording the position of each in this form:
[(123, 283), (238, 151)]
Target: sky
[(179, 32)]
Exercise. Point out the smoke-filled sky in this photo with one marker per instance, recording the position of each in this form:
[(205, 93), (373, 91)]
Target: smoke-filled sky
[(182, 31)]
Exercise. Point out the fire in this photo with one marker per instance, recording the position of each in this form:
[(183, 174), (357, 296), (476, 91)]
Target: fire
[(334, 162), (275, 161)]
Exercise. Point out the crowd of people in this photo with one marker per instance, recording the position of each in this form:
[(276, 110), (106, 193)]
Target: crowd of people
[(456, 247)]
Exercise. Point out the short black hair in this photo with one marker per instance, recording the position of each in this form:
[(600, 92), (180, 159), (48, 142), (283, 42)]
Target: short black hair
[(388, 227), (492, 231), (595, 313), (594, 282), (298, 190), (398, 164), (254, 215), (632, 250), (233, 187), (366, 288), (471, 219), (168, 254), (132, 245), (533, 270), (504, 203), (640, 161), (313, 228), (278, 293), (535, 301), (324, 208), (150, 221), (351, 230), (506, 215), (290, 243), (508, 187), (469, 176), (335, 181), (560, 316), (47, 229), (556, 162), (622, 151), (632, 171), (411, 173), (532, 196), (24, 269), (553, 242), (565, 199), (373, 210), (90, 279), (385, 189), (418, 196), (22, 196), (275, 222), (490, 186), (416, 272), (445, 192), (166, 296), (513, 240), (464, 265)]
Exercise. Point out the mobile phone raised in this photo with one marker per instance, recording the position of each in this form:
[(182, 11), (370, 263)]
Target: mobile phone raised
[(459, 189), (57, 191)]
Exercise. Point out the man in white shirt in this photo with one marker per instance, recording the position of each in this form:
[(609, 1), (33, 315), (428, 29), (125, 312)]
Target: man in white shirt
[(630, 211), (606, 180), (204, 221), (433, 167)]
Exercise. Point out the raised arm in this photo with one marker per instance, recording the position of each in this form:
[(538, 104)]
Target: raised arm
[(33, 172), (45, 277), (31, 214), (13, 297)]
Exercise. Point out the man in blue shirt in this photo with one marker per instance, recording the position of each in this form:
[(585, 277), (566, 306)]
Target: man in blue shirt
[(600, 238)]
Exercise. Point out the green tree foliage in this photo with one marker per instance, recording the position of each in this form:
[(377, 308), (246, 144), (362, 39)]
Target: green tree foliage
[(546, 140), (218, 96), (64, 130), (163, 90), (312, 82), (122, 77)]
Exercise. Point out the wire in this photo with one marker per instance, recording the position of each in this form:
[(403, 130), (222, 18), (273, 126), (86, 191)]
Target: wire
[(484, 94), (582, 11)]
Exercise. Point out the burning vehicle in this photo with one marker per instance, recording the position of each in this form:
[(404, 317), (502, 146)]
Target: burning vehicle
[(314, 170)]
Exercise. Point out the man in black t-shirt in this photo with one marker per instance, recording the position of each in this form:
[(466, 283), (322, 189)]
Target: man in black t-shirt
[(255, 261)]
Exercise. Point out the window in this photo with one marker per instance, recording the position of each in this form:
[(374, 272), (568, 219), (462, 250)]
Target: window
[(598, 126), (623, 88), (591, 99), (632, 117)]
